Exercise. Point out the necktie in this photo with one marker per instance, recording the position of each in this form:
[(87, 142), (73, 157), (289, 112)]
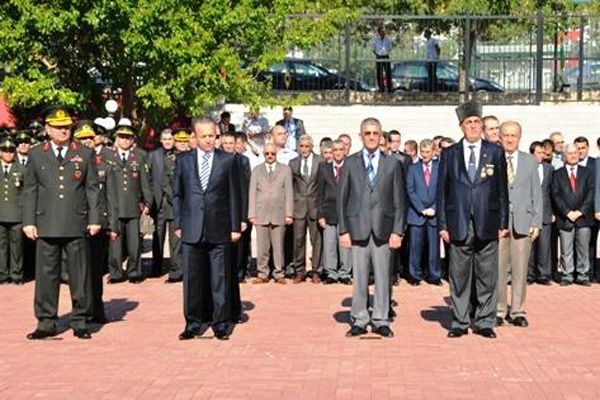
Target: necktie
[(124, 158), (472, 170), (371, 171), (5, 171), (23, 161), (573, 179), (510, 171), (427, 175), (270, 170), (204, 171), (337, 173), (59, 157), (305, 169)]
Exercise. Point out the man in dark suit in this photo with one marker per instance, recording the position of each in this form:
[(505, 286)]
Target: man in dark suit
[(11, 215), (573, 198), (225, 125), (294, 128), (583, 148), (207, 218), (472, 209), (162, 163), (60, 208), (134, 197), (306, 169), (371, 218), (337, 261), (421, 186), (540, 263)]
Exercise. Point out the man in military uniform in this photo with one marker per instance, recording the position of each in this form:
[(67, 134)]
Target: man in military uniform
[(11, 216), (182, 141), (162, 165), (134, 197), (60, 208), (23, 142), (85, 132)]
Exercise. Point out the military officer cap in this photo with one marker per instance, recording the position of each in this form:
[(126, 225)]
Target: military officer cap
[(124, 130), (7, 144), (84, 129), (468, 109), (58, 116), (35, 127), (181, 135), (22, 137)]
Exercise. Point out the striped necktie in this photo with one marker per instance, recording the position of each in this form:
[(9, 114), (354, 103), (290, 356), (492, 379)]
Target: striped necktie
[(205, 171), (510, 170), (371, 171)]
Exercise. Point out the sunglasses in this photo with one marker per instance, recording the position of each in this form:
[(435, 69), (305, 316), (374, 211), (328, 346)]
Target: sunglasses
[(269, 153)]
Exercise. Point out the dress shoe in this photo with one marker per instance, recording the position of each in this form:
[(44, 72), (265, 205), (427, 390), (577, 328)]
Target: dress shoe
[(436, 282), (395, 281), (299, 278), (457, 332), (346, 281), (280, 281), (316, 279), (135, 281), (173, 280), (544, 281), (330, 281), (530, 281), (584, 283), (520, 321), (259, 281), (565, 283), (18, 282), (384, 331), (356, 331), (499, 321), (485, 332), (113, 281), (189, 334), (39, 334), (100, 320), (4, 281), (82, 334), (221, 334), (415, 282), (391, 314)]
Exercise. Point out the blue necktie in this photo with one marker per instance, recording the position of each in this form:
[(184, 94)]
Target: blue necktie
[(371, 171), (204, 171), (472, 170)]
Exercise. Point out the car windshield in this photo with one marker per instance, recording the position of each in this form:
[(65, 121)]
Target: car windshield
[(309, 70), (279, 68), (446, 71)]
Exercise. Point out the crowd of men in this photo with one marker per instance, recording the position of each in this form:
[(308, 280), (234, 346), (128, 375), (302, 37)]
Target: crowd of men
[(236, 205)]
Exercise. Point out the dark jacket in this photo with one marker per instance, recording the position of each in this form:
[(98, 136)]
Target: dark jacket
[(565, 200), (305, 191)]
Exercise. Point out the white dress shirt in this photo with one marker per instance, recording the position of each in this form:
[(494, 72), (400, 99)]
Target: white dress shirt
[(201, 154), (375, 160), (541, 172), (382, 47), (65, 147)]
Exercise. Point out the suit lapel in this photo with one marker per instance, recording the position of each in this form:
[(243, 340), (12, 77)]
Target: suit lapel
[(216, 159), (462, 168), (194, 160), (483, 158)]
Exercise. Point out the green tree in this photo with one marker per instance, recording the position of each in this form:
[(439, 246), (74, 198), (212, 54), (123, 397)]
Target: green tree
[(170, 57)]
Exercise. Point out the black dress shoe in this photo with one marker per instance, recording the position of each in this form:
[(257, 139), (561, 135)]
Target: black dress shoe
[(520, 321), (544, 281), (485, 332), (346, 281), (499, 321), (457, 332), (173, 280), (384, 331), (113, 281), (82, 334), (221, 334), (436, 282), (565, 283), (415, 282), (330, 281), (18, 282), (189, 334), (391, 314), (4, 281), (356, 331), (584, 283), (39, 334), (135, 281)]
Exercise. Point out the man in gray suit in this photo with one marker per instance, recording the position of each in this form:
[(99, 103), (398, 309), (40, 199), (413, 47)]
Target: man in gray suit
[(371, 220), (524, 224), (270, 209)]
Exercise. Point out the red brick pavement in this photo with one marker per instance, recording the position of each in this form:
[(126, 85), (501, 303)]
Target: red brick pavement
[(293, 346)]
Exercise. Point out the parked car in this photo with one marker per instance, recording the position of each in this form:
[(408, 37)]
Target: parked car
[(301, 74), (413, 76)]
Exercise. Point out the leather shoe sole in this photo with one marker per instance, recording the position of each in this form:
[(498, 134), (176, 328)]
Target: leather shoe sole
[(221, 335), (40, 334), (82, 334)]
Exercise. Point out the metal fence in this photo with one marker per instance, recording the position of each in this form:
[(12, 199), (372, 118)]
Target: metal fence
[(525, 59)]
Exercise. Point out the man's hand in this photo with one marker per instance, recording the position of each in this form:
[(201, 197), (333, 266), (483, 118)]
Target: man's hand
[(502, 233), (93, 229), (322, 223), (235, 236), (534, 233), (145, 210), (289, 220), (428, 212), (395, 241), (554, 218), (572, 216), (345, 241), (31, 232), (597, 216), (178, 233), (112, 236), (445, 236), (252, 220), (244, 226)]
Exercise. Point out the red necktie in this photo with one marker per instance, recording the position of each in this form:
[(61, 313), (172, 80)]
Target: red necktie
[(337, 173), (427, 175), (573, 180)]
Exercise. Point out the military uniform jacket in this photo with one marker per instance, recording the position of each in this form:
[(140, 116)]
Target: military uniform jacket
[(61, 198), (107, 200), (11, 207), (132, 181), (167, 188)]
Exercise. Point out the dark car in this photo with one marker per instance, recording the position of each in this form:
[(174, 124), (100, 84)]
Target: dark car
[(300, 75), (413, 76)]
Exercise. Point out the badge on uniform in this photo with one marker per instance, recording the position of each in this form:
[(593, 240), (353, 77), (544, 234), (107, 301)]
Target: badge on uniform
[(77, 174), (18, 179), (76, 159), (101, 173), (489, 169)]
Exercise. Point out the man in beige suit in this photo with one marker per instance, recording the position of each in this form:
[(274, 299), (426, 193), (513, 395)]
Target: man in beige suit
[(270, 208)]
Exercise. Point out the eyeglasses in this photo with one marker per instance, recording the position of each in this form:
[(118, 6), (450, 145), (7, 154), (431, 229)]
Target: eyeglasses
[(269, 153)]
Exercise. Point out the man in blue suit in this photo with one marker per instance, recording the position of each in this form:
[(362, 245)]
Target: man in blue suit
[(207, 218), (472, 207), (421, 184)]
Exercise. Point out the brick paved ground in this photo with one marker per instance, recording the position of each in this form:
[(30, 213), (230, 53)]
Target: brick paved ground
[(293, 346)]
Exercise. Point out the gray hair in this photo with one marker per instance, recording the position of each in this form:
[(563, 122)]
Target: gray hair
[(426, 143), (306, 138), (507, 124), (370, 121)]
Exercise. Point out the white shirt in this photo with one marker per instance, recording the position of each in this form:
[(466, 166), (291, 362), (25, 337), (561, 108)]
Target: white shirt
[(382, 47), (64, 149), (258, 128), (253, 158), (431, 49), (514, 160), (375, 160), (22, 159), (541, 172), (584, 162), (568, 168), (557, 160), (271, 167), (340, 165), (125, 153), (467, 151), (201, 154), (5, 167), (309, 161)]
